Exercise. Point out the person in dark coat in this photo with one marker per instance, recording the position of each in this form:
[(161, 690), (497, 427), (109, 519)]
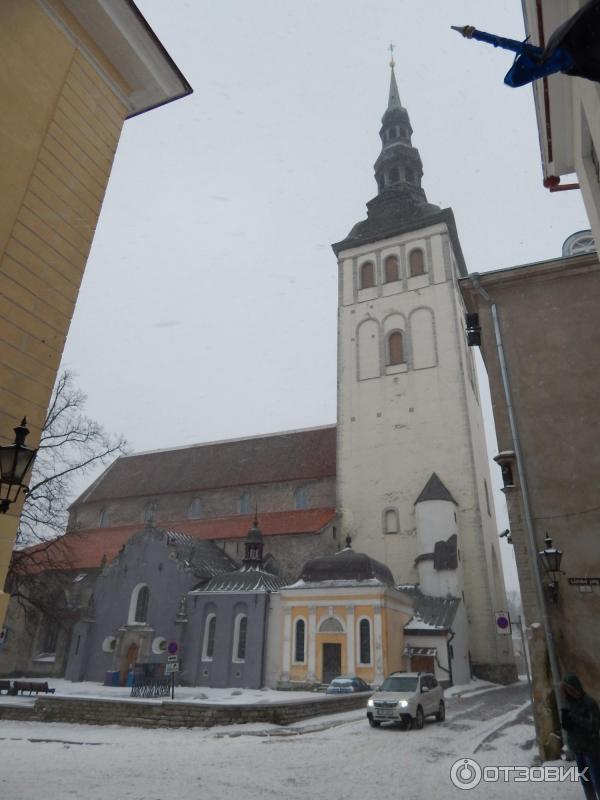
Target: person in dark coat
[(580, 718)]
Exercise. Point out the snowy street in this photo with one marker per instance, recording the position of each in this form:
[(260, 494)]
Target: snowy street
[(338, 757)]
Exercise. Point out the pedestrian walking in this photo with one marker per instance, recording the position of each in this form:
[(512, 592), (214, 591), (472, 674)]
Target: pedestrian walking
[(580, 718)]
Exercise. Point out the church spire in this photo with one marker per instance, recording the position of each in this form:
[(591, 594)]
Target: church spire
[(399, 165), (394, 97)]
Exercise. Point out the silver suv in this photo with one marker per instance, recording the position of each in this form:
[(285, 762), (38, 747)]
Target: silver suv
[(407, 697)]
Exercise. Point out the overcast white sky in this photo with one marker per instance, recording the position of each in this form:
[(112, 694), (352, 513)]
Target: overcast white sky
[(208, 307)]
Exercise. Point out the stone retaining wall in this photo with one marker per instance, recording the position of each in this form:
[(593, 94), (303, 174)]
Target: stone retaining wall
[(169, 714)]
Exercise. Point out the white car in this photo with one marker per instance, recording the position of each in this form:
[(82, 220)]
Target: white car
[(407, 697)]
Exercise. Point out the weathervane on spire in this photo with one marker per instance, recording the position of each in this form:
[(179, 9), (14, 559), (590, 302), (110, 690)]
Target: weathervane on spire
[(392, 62)]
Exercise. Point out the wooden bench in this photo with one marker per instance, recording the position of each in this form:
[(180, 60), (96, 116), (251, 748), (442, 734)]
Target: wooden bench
[(31, 687)]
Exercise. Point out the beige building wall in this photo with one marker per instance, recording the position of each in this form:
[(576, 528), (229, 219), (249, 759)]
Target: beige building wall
[(62, 106), (548, 315)]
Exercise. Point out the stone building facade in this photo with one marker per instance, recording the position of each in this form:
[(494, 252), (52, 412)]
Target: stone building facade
[(547, 316)]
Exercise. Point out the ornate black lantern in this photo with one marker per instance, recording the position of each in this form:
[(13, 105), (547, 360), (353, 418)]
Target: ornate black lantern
[(15, 461), (551, 559)]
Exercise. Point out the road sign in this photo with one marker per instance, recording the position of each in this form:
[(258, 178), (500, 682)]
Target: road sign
[(172, 659), (171, 668), (172, 648), (503, 623)]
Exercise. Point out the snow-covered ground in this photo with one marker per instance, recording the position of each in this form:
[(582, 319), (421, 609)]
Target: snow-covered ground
[(335, 758), (187, 694)]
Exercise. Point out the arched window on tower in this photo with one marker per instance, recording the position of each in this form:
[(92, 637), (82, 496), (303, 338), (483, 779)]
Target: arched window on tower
[(395, 349), (409, 175), (391, 269), (392, 133), (394, 175), (416, 262), (367, 275)]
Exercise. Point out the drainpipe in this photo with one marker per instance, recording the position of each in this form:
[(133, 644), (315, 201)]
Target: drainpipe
[(448, 646), (529, 532)]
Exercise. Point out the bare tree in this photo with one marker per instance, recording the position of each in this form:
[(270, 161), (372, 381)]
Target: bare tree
[(71, 445)]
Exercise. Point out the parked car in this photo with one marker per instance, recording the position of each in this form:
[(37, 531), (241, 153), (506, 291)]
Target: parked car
[(346, 684), (407, 697)]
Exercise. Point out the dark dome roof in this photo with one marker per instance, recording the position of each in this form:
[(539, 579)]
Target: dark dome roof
[(346, 565)]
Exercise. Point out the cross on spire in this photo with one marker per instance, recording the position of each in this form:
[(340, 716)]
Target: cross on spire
[(392, 62)]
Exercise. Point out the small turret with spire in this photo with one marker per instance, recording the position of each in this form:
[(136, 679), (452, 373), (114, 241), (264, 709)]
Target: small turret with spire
[(253, 546)]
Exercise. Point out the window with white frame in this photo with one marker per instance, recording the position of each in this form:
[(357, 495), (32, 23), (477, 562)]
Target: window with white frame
[(300, 641), (364, 641), (208, 643), (138, 605), (239, 637)]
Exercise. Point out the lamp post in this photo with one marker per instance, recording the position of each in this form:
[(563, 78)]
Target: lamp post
[(15, 461), (551, 560)]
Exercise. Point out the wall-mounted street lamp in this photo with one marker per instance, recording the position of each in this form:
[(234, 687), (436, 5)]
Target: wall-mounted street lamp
[(551, 560), (15, 461)]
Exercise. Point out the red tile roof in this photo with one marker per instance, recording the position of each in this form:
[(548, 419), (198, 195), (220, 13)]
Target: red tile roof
[(296, 455), (85, 550)]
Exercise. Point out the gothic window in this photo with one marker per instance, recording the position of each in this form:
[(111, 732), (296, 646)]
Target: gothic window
[(391, 521), (395, 348), (208, 645), (299, 641), (245, 504), (301, 497), (239, 637), (367, 275), (416, 261), (394, 175), (141, 605), (391, 269), (364, 634), (195, 511)]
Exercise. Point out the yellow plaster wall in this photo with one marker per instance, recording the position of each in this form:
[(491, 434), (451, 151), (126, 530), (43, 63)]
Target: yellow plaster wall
[(392, 623), (59, 128), (367, 673)]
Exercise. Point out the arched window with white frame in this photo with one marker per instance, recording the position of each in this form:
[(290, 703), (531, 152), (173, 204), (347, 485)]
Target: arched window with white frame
[(300, 641), (208, 641), (240, 629), (138, 604), (364, 641)]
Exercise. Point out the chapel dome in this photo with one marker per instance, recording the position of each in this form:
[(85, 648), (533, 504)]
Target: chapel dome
[(346, 565)]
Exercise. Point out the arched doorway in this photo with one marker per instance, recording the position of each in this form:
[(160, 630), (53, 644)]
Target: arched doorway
[(128, 660)]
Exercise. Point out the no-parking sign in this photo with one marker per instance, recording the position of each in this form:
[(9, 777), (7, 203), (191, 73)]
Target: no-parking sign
[(503, 623)]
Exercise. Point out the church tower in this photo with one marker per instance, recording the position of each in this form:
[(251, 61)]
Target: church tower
[(408, 402)]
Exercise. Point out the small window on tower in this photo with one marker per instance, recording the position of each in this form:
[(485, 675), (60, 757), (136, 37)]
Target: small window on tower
[(395, 348), (391, 269), (393, 133), (410, 175), (367, 275), (416, 262), (394, 175)]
